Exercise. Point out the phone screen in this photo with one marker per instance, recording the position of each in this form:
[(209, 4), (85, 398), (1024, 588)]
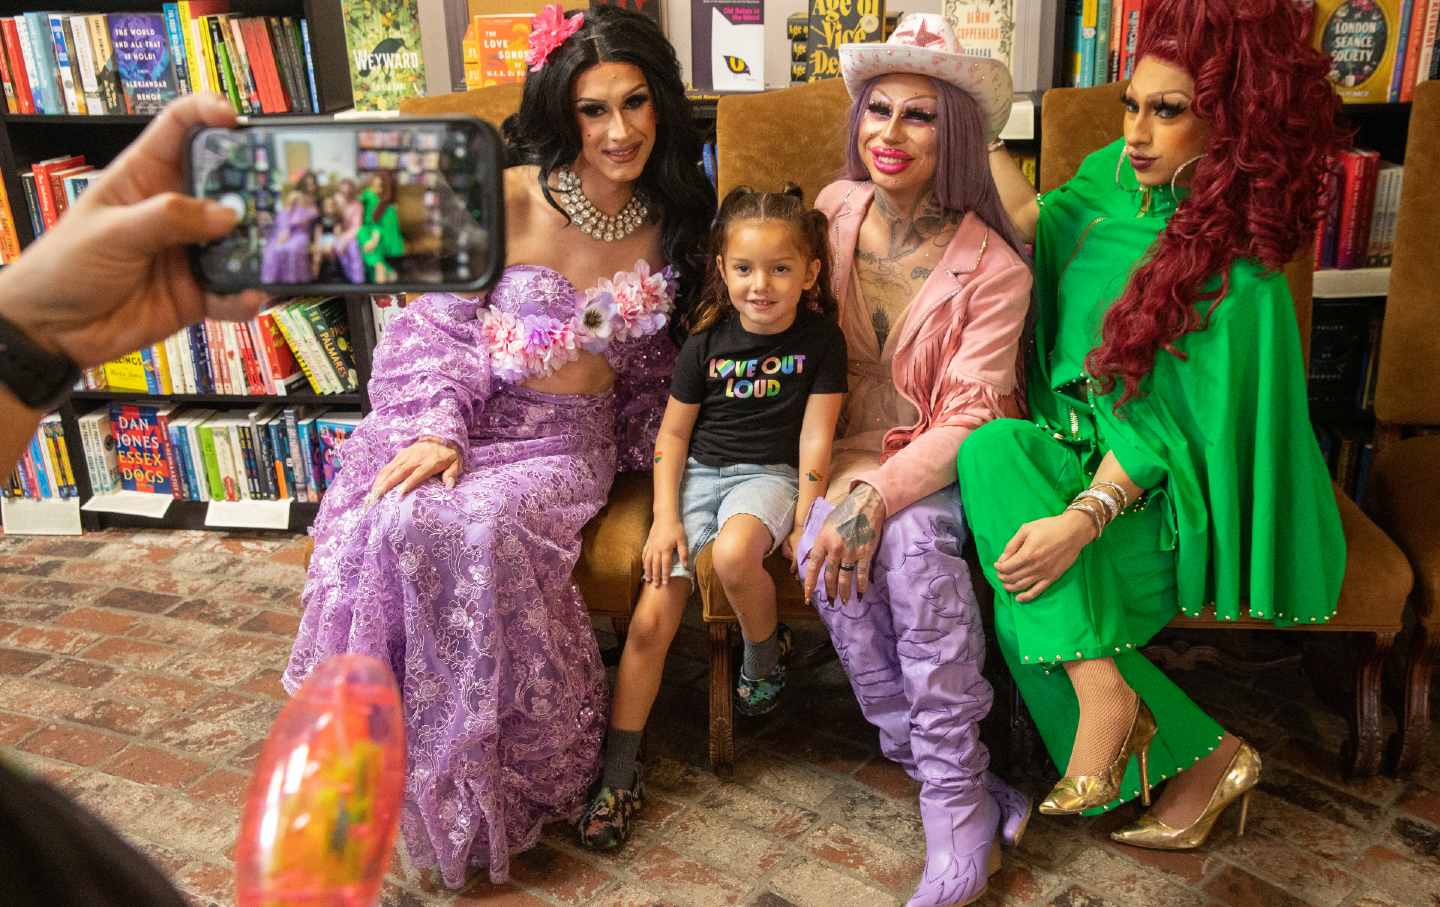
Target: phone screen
[(352, 207)]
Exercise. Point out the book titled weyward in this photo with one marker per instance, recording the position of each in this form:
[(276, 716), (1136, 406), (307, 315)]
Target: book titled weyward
[(142, 61), (382, 38)]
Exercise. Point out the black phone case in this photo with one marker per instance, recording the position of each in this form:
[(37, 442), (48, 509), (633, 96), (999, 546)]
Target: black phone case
[(494, 211)]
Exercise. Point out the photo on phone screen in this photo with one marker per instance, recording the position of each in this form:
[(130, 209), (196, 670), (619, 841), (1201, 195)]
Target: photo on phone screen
[(336, 207)]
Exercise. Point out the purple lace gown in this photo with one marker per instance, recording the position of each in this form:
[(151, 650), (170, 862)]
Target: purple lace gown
[(466, 592), (288, 260)]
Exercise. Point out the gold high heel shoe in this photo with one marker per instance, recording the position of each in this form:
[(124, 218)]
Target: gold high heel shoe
[(1238, 781), (1076, 794)]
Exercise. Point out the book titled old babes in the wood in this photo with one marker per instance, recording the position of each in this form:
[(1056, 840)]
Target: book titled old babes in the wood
[(727, 45), (382, 38)]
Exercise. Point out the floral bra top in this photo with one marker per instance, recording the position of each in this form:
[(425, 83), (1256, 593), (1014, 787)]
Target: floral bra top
[(536, 320)]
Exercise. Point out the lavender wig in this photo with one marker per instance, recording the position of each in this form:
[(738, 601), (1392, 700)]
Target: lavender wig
[(962, 171)]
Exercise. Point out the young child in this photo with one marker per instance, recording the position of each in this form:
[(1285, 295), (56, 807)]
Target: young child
[(753, 406)]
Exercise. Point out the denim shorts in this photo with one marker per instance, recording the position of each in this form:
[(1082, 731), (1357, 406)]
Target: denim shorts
[(711, 495)]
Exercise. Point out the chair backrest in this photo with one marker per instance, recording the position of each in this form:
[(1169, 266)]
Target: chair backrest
[(1405, 391), (1076, 121), (792, 135), (492, 104)]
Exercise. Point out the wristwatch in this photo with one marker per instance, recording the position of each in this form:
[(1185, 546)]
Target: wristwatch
[(39, 379)]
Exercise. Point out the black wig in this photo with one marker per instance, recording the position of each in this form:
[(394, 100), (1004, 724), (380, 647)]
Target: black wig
[(544, 132)]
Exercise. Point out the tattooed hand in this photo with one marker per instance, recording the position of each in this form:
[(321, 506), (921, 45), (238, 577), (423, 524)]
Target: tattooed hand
[(849, 538)]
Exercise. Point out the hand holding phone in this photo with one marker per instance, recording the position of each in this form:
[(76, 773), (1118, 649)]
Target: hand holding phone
[(352, 207)]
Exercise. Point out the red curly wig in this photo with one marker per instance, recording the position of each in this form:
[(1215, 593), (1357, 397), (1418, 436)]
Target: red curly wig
[(1258, 191)]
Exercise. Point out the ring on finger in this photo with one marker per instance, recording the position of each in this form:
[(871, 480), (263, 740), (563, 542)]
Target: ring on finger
[(848, 568)]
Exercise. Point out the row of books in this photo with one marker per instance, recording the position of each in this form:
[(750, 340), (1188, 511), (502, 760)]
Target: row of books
[(815, 39), (1349, 455), (1358, 228), (286, 347), (1100, 39), (270, 453), (44, 471), (134, 63), (1344, 357)]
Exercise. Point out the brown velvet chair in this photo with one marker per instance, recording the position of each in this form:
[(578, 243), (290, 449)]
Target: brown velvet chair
[(1076, 121), (764, 141), (1404, 492)]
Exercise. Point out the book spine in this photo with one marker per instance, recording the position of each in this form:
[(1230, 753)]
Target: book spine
[(245, 357), (284, 487), (77, 66), (9, 237), (46, 68), (309, 66), (200, 482), (103, 478), (240, 60), (162, 419), (247, 459), (310, 450), (1348, 249), (79, 33), (44, 468), (1103, 11), (187, 453), (171, 13), (321, 319), (69, 488), (200, 34), (273, 28), (1428, 37), (292, 458), (12, 100), (106, 74), (24, 96), (290, 338), (32, 65), (62, 63), (211, 458), (1401, 40), (267, 457), (88, 447), (287, 32), (224, 458), (222, 64), (1090, 18), (180, 488), (204, 384)]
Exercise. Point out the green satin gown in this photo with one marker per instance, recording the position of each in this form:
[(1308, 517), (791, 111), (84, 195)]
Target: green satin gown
[(1239, 513)]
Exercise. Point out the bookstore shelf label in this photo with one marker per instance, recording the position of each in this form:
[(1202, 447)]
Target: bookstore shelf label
[(53, 516), (248, 514), (131, 503)]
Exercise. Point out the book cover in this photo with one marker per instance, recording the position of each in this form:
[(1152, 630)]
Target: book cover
[(382, 38), (727, 43), (142, 60), (106, 74), (1360, 37), (331, 432), (649, 8), (494, 50), (140, 445), (830, 25), (985, 28), (127, 373), (443, 24), (326, 320), (1339, 337)]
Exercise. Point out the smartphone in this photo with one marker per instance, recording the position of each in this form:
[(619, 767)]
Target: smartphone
[(353, 206)]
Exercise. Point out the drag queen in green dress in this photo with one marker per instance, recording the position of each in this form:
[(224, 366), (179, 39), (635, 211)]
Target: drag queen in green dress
[(1168, 464)]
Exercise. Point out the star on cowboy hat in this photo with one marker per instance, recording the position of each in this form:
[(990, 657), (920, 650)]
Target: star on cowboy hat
[(924, 44)]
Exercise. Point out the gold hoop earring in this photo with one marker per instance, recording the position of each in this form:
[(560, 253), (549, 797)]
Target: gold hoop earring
[(1176, 175), (1119, 162)]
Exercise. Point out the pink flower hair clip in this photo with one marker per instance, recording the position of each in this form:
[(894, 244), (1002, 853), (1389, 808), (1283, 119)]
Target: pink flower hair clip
[(548, 30)]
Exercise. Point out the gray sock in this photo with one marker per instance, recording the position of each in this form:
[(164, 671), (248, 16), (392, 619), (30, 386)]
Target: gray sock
[(622, 752), (761, 657)]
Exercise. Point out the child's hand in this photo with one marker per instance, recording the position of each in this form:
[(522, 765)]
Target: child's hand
[(665, 542)]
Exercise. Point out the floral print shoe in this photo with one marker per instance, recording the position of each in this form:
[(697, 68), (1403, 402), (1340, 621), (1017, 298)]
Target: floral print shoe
[(759, 697), (609, 819)]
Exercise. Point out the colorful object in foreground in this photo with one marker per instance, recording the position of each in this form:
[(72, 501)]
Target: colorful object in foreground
[(548, 30), (324, 802)]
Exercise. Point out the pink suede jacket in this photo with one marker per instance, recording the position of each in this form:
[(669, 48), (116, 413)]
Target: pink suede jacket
[(957, 357)]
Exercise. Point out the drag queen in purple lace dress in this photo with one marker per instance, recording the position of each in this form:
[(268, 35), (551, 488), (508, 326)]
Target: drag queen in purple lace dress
[(446, 544), (286, 256)]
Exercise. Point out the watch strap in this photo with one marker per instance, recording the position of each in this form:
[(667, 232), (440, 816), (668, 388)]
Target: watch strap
[(38, 378)]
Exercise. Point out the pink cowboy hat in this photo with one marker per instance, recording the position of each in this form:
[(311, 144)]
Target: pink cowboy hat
[(924, 44)]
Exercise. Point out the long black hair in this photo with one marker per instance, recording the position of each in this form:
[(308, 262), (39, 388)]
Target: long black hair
[(544, 132)]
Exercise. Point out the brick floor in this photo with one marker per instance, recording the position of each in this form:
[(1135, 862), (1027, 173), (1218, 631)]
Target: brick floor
[(140, 671)]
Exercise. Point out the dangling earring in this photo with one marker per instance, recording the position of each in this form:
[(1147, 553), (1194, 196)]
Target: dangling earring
[(1174, 176)]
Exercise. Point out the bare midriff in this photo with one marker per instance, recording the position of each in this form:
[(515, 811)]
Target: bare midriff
[(588, 375)]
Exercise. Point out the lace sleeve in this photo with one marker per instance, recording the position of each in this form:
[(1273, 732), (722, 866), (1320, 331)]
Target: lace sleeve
[(431, 372)]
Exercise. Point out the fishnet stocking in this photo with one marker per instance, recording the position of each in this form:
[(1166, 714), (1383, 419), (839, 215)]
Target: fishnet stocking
[(1188, 793), (1107, 709)]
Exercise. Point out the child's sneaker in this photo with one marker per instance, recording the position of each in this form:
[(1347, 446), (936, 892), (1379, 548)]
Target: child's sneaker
[(759, 697), (608, 820)]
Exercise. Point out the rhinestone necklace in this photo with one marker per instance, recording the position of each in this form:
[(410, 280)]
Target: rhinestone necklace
[(590, 219)]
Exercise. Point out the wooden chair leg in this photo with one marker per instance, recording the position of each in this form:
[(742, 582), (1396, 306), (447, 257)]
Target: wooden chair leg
[(1361, 754), (1409, 743), (722, 715)]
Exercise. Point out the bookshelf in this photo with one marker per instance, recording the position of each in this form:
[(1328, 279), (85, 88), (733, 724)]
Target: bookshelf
[(28, 138)]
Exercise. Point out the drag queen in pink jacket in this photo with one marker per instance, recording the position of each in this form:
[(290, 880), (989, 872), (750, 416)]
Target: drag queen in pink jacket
[(933, 294)]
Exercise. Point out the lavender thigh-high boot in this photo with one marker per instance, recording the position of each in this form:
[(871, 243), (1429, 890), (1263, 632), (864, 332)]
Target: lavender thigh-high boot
[(913, 649)]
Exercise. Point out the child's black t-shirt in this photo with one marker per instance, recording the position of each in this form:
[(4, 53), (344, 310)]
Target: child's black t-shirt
[(752, 388)]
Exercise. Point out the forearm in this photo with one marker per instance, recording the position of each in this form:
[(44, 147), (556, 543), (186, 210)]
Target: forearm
[(814, 474), (17, 427), (669, 470), (1016, 193), (1111, 471)]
